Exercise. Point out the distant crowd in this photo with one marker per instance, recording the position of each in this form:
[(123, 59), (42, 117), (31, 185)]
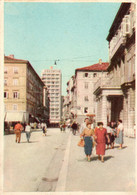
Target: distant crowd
[(91, 136)]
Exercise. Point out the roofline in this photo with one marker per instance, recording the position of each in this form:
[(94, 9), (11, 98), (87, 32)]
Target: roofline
[(14, 60), (90, 70), (121, 12), (36, 73), (7, 59)]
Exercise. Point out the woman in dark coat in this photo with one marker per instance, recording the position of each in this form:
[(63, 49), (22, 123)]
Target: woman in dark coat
[(110, 135)]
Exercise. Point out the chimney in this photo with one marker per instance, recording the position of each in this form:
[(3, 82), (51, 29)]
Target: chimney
[(11, 56), (100, 61)]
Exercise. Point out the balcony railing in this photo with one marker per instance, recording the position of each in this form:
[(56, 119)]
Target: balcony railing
[(119, 42), (108, 83)]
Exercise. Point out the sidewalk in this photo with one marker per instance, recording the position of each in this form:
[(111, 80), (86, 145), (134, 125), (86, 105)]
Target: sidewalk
[(25, 164), (117, 173)]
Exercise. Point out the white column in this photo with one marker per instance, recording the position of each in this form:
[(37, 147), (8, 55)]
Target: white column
[(104, 110)]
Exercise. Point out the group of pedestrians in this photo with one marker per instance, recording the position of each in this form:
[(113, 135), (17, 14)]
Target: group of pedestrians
[(62, 127), (100, 137), (28, 129), (19, 128)]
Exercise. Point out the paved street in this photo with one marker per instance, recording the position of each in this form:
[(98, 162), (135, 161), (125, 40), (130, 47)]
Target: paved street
[(56, 163)]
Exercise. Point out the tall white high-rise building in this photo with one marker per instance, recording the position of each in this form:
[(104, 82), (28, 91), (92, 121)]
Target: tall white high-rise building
[(53, 80)]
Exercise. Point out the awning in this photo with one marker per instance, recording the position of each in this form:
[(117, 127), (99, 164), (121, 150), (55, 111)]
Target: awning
[(14, 116)]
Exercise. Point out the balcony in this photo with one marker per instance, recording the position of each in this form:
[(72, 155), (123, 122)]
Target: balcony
[(128, 80), (120, 42), (119, 39), (107, 83)]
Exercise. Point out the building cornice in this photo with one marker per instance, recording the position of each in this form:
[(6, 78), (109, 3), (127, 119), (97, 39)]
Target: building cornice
[(118, 19)]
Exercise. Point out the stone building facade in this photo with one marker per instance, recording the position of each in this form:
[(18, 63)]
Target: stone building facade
[(23, 91), (85, 79), (80, 88), (115, 96)]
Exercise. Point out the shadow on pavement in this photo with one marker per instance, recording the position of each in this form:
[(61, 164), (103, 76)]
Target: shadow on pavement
[(108, 157), (28, 142), (122, 147), (95, 158)]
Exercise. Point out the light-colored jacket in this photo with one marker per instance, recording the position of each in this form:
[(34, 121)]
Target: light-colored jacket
[(28, 128)]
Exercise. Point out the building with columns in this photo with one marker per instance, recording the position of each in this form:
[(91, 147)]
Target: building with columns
[(115, 96)]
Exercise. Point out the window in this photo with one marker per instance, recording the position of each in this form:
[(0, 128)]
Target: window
[(95, 74), (15, 106), (86, 85), (15, 81), (86, 98), (86, 110), (86, 74), (15, 70), (15, 94), (6, 94), (5, 70), (5, 82)]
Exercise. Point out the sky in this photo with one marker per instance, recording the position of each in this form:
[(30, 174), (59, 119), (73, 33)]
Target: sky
[(74, 34)]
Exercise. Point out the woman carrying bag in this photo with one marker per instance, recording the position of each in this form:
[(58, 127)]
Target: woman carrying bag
[(87, 134)]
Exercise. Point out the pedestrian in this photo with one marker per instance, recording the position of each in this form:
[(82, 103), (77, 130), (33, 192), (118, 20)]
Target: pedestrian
[(87, 135), (100, 138), (84, 125), (64, 127), (114, 133), (28, 131), (109, 133), (35, 125), (120, 130), (17, 130), (61, 126), (44, 128), (74, 127)]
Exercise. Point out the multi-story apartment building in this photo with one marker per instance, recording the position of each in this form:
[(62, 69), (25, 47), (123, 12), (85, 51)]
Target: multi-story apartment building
[(52, 79), (115, 97), (80, 90), (65, 109), (23, 91), (46, 102)]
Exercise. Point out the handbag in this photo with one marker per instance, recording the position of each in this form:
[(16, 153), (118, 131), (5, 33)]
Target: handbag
[(81, 143)]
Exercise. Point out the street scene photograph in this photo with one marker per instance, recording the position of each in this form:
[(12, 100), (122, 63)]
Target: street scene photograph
[(69, 97)]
